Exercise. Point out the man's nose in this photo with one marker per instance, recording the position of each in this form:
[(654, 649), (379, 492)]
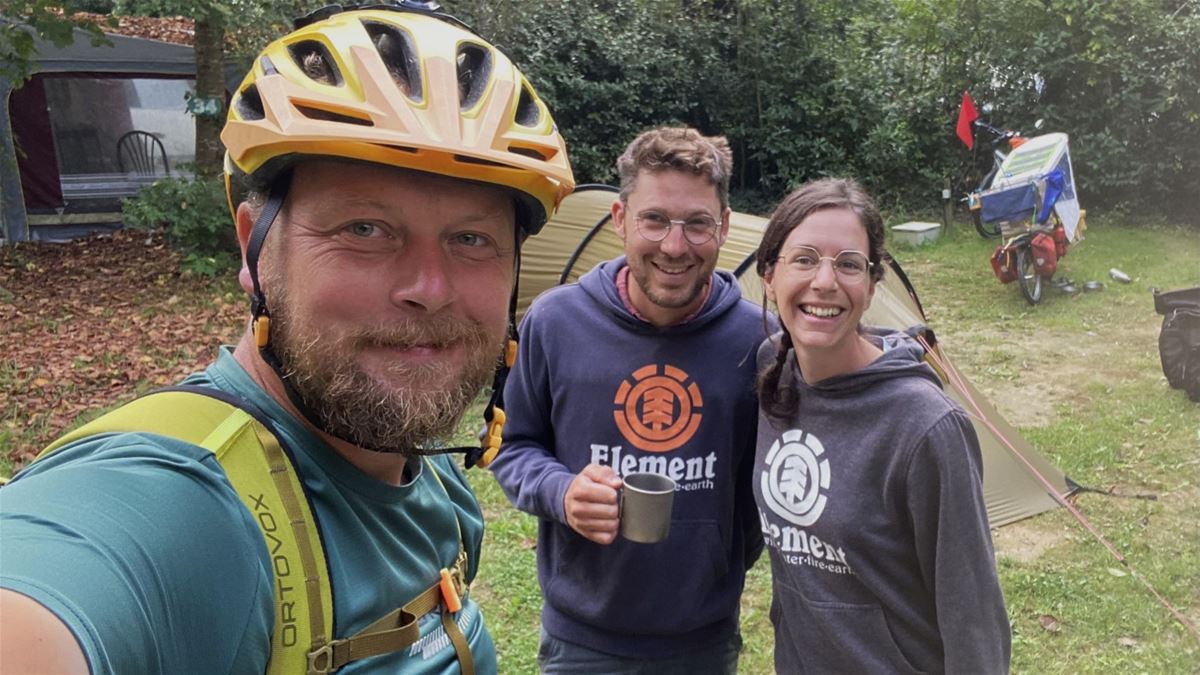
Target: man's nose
[(675, 244), (424, 280)]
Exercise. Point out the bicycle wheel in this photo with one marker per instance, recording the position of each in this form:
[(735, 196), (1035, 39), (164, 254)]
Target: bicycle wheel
[(985, 230), (1027, 276)]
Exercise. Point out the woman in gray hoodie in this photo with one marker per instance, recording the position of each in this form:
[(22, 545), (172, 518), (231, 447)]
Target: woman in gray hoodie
[(868, 478)]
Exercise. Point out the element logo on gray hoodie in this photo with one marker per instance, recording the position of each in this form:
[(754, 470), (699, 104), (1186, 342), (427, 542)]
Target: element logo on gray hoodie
[(794, 485), (795, 477)]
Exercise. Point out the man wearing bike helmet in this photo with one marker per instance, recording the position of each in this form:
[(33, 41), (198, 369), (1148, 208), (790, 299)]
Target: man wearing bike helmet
[(290, 508)]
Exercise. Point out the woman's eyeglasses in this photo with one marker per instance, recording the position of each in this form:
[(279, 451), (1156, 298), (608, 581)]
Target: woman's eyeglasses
[(849, 265)]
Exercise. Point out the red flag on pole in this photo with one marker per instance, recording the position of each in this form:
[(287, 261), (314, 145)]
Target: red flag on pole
[(966, 115)]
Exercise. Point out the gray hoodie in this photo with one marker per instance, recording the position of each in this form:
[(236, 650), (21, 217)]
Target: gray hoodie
[(871, 502)]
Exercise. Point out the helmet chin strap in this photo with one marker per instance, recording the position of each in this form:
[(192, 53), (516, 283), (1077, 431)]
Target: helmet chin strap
[(260, 313), (493, 416)]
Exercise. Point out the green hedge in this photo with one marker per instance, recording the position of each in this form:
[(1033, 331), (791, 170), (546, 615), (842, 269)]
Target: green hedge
[(870, 88), (195, 218)]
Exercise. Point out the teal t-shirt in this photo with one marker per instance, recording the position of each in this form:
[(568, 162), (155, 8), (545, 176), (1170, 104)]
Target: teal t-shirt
[(141, 546)]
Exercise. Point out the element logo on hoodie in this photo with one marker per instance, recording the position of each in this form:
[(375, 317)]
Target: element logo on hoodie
[(796, 478), (658, 411)]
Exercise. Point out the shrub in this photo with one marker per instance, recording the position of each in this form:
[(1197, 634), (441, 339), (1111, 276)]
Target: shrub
[(195, 218)]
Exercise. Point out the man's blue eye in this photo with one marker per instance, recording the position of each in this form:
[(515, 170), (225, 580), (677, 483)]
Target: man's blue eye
[(471, 239), (475, 246), (363, 229)]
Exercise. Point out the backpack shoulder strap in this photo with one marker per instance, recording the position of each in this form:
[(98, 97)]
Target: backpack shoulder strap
[(262, 473), (188, 414)]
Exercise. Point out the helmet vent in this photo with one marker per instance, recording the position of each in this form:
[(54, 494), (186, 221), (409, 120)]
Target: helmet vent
[(402, 148), (330, 116), (528, 152), (480, 161), (313, 58), (399, 56), (528, 112), (249, 104), (474, 71)]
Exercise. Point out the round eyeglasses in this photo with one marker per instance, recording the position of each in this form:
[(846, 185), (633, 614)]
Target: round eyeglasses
[(697, 230), (850, 266)]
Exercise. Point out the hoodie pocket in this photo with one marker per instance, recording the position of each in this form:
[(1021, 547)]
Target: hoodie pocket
[(674, 586), (836, 637)]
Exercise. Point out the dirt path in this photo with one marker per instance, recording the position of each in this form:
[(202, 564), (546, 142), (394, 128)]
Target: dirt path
[(1027, 373)]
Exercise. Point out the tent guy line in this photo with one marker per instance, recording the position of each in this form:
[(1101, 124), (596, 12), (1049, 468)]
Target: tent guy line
[(975, 412)]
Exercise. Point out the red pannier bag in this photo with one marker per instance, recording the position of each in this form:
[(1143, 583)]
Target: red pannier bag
[(1060, 241), (1004, 264), (1045, 254)]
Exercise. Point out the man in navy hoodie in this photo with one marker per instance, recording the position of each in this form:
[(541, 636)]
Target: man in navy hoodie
[(647, 364)]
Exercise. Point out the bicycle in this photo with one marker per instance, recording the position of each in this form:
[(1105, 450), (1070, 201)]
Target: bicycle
[(1031, 203), (1014, 139), (1031, 257)]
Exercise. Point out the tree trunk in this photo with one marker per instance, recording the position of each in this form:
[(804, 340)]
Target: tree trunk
[(210, 84)]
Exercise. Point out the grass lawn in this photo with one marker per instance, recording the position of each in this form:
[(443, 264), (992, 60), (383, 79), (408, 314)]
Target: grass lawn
[(1079, 376)]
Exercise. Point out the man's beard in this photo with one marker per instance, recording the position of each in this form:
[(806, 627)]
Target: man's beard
[(640, 270), (416, 404)]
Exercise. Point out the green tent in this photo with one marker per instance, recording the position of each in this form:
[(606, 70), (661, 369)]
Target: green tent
[(1018, 481)]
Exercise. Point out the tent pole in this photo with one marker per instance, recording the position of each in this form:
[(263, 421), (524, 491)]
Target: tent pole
[(566, 273)]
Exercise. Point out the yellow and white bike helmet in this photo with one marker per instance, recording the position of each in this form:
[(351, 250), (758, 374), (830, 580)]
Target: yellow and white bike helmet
[(400, 84)]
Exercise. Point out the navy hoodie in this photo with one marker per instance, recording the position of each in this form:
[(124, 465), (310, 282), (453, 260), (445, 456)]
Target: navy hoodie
[(594, 384), (871, 501)]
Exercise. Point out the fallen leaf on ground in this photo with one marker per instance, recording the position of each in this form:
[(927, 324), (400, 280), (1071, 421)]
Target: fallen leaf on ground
[(75, 338), (1049, 623)]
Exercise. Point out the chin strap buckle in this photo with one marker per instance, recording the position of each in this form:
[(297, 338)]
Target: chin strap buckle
[(491, 437), (493, 418), (260, 322), (262, 330)]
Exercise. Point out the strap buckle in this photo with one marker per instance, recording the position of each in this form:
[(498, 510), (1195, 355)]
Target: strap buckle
[(450, 596), (454, 585), (320, 660)]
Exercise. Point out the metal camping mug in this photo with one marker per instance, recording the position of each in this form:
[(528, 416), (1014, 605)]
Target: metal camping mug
[(646, 502)]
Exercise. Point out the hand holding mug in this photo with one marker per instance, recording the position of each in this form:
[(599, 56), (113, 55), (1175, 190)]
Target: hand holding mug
[(591, 504)]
